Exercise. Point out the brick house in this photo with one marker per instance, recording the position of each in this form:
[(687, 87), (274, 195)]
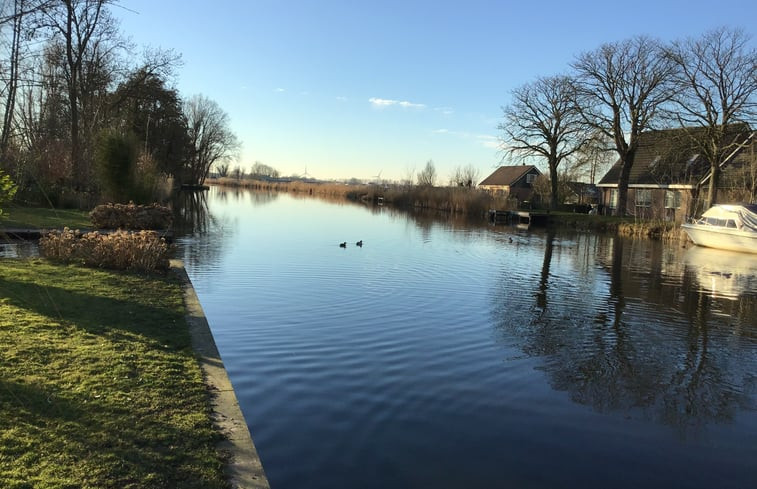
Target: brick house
[(669, 178), (511, 181)]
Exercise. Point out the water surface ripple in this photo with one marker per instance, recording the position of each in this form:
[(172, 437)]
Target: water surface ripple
[(443, 354)]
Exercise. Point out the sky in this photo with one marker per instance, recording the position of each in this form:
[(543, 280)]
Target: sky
[(355, 89)]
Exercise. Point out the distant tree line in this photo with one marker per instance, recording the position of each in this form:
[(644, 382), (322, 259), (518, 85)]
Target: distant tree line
[(80, 118), (614, 93)]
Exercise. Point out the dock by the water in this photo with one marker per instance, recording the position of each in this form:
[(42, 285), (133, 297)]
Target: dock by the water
[(518, 217)]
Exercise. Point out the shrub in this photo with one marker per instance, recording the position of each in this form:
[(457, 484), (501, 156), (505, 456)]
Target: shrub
[(131, 216), (122, 250), (116, 158), (7, 190)]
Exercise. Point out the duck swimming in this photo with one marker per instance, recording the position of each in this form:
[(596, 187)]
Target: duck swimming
[(343, 245), (359, 243)]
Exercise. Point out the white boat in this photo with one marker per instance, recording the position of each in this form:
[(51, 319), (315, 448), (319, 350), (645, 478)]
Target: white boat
[(727, 227)]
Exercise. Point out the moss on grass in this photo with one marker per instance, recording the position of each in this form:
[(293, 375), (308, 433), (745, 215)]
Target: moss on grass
[(99, 386)]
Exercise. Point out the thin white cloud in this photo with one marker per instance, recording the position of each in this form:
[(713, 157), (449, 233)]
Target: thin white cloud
[(381, 102), (487, 141), (445, 110), (384, 102), (279, 90)]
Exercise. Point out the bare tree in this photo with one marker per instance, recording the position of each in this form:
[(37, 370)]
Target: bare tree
[(464, 176), (211, 139), (543, 121), (427, 176), (409, 176), (89, 36), (19, 16), (222, 169), (11, 86), (621, 87), (593, 158), (262, 170), (716, 91)]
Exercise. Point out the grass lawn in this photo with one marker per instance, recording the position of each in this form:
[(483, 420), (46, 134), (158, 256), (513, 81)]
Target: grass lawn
[(43, 218), (99, 386)]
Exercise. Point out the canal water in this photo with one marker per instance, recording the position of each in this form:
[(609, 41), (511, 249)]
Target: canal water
[(447, 354)]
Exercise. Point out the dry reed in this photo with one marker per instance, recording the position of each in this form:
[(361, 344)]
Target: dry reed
[(142, 251), (131, 216)]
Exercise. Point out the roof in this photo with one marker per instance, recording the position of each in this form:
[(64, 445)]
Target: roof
[(508, 175), (669, 156)]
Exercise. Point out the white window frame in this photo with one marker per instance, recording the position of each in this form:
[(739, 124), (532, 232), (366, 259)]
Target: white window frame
[(674, 197), (646, 202)]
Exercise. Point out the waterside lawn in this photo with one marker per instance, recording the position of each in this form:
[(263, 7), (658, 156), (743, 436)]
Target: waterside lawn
[(15, 217), (99, 386)]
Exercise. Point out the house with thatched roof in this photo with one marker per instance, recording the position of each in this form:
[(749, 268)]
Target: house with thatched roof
[(669, 176), (511, 181)]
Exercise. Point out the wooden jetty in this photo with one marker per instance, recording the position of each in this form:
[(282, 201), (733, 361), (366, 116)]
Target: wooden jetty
[(518, 217)]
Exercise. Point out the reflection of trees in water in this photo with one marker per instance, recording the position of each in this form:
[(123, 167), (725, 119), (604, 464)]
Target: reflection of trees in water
[(200, 235), (634, 338), (190, 212), (427, 219), (235, 194)]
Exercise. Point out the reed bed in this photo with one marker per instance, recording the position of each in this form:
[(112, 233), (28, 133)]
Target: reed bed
[(448, 199), (131, 216), (142, 251), (656, 229)]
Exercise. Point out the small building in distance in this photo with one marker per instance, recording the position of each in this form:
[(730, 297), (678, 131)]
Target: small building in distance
[(511, 182), (669, 177), (581, 193)]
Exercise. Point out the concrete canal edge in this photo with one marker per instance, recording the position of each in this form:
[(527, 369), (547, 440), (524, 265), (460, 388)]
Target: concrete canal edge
[(243, 467)]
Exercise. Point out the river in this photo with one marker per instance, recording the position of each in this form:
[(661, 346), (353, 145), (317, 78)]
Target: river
[(448, 354)]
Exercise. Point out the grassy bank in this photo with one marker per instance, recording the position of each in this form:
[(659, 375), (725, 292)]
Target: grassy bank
[(43, 218), (99, 386)]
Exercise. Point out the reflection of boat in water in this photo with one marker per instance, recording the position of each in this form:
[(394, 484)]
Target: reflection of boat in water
[(723, 273), (727, 227)]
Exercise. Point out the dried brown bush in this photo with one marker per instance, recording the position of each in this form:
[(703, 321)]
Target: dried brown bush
[(143, 251), (131, 216)]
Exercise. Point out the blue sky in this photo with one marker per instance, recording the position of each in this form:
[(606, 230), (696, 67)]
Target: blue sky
[(352, 88)]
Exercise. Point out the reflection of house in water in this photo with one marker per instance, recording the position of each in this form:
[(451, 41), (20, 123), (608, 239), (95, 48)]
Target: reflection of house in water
[(644, 339)]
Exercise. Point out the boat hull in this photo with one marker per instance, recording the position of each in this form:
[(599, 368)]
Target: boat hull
[(722, 238)]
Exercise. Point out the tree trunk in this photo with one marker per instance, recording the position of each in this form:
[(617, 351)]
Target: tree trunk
[(73, 98), (553, 180), (10, 101), (712, 194), (625, 173)]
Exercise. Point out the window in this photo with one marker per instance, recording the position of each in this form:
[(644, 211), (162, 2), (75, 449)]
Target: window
[(613, 204), (672, 199), (643, 198), (530, 178)]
